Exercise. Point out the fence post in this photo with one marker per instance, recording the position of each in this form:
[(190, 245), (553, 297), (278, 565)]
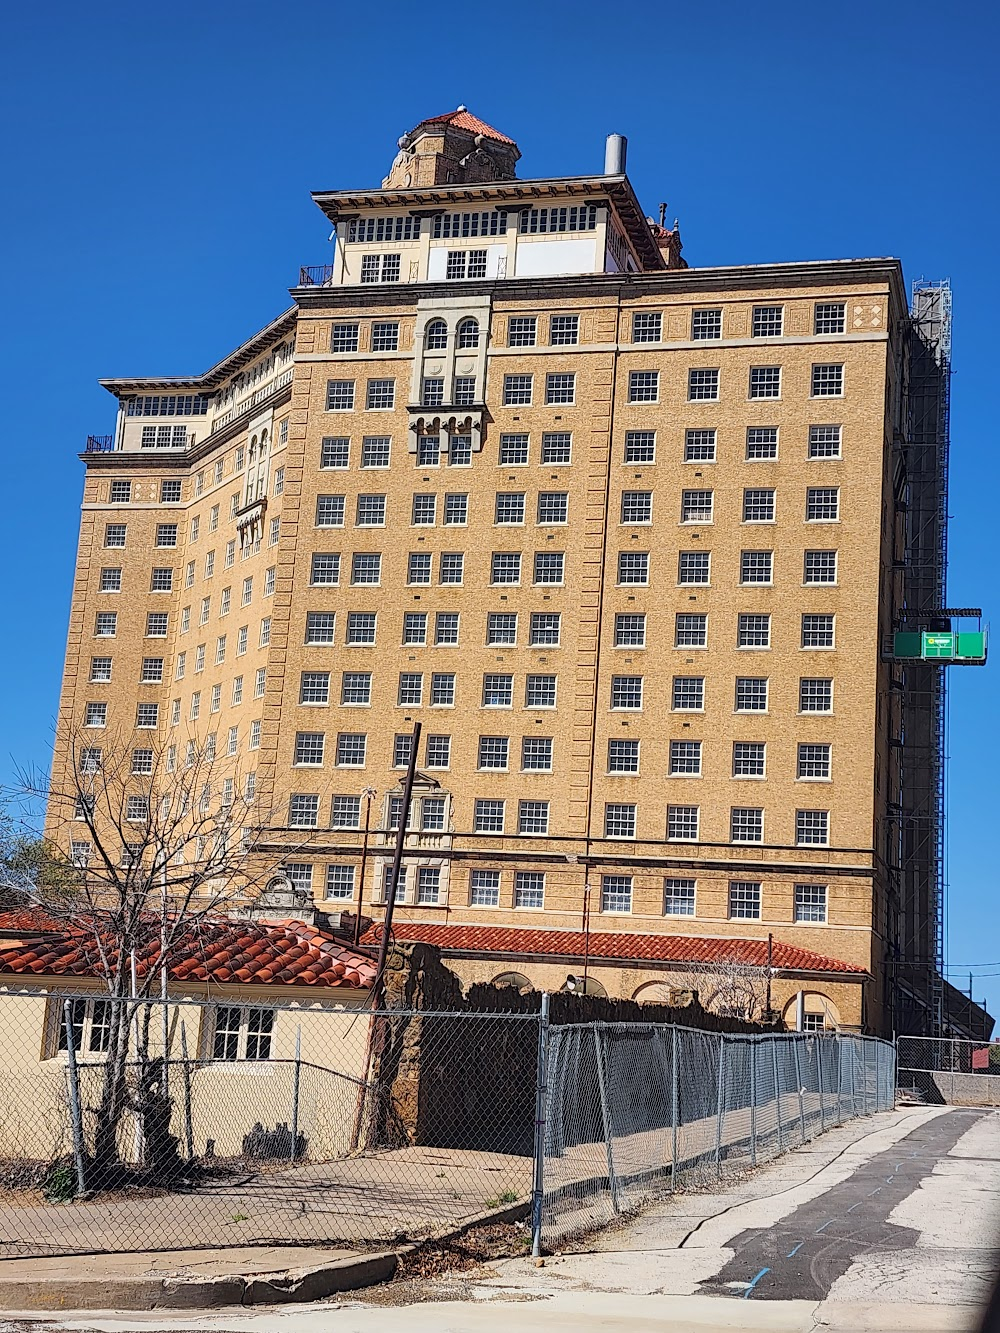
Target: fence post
[(675, 1104), (796, 1042), (954, 1056), (606, 1118), (188, 1124), (819, 1079), (296, 1083), (753, 1100), (76, 1114), (720, 1105), (541, 1103), (854, 1076), (777, 1087)]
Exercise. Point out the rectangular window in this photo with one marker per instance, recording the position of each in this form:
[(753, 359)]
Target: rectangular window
[(522, 331), (340, 882), (582, 217), (705, 325), (460, 451), (690, 630), (540, 692), (95, 715), (319, 627), (451, 567), (370, 511), (549, 567), (346, 812), (696, 506), (536, 754), (822, 504), (633, 568), (428, 884), (685, 758), (465, 390), (637, 507), (768, 321), (303, 811), (443, 689), (456, 510), (828, 381), (817, 631), (380, 268), (309, 747), (509, 507), (237, 689), (344, 338), (428, 451), (814, 761), (100, 669), (415, 627), (156, 624), (630, 630), (820, 567), (744, 900), (699, 446), (619, 820), (756, 566), (385, 336), (751, 694), (484, 888), (529, 888), (325, 569), (564, 330), (532, 817), (115, 534), (402, 748), (749, 759), (432, 391), (339, 396), (501, 626), (815, 695), (335, 452), (498, 690), (314, 687), (446, 625), (553, 507), (678, 897), (643, 386), (753, 630), (626, 692), (703, 385), (465, 264), (432, 813), (411, 688), (380, 395), (329, 511), (516, 391), (824, 441), (489, 816), (693, 567), (513, 450), (351, 748), (356, 687), (623, 756), (418, 568), (640, 446), (746, 824), (765, 382), (438, 751), (688, 694), (560, 388), (758, 505), (829, 317), (366, 568), (152, 670), (647, 326), (494, 752), (762, 442), (557, 447), (120, 492), (505, 567), (111, 580), (424, 510), (810, 899), (812, 828), (170, 492)]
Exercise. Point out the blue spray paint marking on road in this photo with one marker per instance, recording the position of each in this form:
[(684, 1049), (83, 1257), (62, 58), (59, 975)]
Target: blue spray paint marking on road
[(855, 1205), (796, 1250), (823, 1227), (749, 1291), (878, 1191)]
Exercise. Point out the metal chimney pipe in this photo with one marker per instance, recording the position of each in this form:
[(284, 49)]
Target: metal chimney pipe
[(614, 155)]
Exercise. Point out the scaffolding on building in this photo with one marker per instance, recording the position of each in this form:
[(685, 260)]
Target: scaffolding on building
[(918, 843)]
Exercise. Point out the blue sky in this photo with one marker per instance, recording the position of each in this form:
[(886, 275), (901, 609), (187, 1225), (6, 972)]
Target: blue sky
[(158, 163)]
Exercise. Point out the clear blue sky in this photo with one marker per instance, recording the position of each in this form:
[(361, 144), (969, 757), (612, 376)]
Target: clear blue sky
[(158, 162)]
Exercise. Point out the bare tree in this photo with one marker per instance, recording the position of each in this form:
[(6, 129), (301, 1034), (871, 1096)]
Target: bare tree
[(140, 848), (737, 990)]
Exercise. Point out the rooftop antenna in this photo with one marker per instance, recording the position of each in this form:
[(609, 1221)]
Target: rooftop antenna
[(663, 215)]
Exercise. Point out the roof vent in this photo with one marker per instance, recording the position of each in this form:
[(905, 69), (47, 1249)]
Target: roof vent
[(614, 155)]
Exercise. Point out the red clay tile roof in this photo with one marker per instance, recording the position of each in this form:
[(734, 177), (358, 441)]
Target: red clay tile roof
[(622, 944), (28, 921), (219, 950), (465, 120)]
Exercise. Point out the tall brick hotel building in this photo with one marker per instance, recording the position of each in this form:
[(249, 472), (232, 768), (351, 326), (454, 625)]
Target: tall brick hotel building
[(630, 539)]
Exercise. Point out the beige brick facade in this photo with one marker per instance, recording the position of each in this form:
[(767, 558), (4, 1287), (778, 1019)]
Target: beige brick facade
[(690, 485)]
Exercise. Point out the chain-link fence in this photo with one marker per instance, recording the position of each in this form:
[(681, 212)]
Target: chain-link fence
[(297, 1123), (951, 1070), (636, 1110), (131, 1126)]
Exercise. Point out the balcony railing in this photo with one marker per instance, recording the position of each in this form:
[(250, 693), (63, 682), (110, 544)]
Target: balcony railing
[(100, 444), (316, 275)]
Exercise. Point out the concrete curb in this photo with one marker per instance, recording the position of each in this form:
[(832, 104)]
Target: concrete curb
[(198, 1293)]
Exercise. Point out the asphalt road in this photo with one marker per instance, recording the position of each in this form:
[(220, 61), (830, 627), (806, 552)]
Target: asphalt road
[(889, 1224)]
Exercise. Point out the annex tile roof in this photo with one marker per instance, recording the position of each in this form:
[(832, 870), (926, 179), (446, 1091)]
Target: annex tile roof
[(216, 950), (572, 944), (463, 119)]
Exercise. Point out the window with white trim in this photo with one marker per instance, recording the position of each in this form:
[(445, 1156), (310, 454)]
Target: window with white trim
[(488, 815), (679, 897), (532, 818), (522, 331), (630, 630), (810, 901), (380, 268), (633, 568), (756, 567), (758, 505), (768, 321), (696, 506), (513, 450), (816, 694), (691, 629), (685, 758), (765, 382), (626, 692), (693, 567), (751, 694), (828, 381), (380, 395), (623, 756), (682, 823), (640, 446), (366, 568), (351, 749), (822, 504), (616, 891), (498, 690), (699, 446), (325, 570), (361, 626), (753, 630), (703, 386), (529, 888), (746, 824), (356, 688), (560, 387), (647, 326), (643, 386), (749, 759), (309, 747), (829, 317), (817, 630), (501, 626), (688, 694), (820, 567), (505, 567), (564, 330), (744, 900), (484, 888), (762, 443), (544, 629), (540, 691), (812, 828), (516, 393), (705, 325), (344, 338), (813, 761), (825, 441)]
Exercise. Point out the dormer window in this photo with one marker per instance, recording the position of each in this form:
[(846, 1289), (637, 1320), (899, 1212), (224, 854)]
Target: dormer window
[(436, 336)]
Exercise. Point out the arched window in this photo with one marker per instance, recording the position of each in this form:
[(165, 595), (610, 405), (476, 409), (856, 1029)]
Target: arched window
[(468, 333), (252, 453), (263, 443), (578, 986), (516, 979), (436, 336)]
